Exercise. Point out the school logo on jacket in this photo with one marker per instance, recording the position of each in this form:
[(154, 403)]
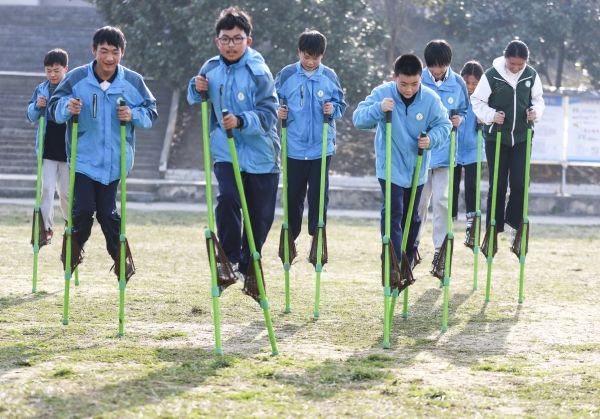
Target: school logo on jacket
[(450, 100), (419, 116), (528, 83), (241, 97), (320, 93)]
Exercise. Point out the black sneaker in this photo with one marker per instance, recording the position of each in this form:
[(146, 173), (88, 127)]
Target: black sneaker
[(437, 271)]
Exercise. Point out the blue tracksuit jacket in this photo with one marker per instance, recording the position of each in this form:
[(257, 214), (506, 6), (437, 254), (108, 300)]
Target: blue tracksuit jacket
[(305, 97), (99, 133), (466, 152), (453, 93), (245, 89), (425, 113)]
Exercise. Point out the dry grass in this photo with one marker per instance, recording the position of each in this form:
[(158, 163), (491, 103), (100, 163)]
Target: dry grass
[(502, 359)]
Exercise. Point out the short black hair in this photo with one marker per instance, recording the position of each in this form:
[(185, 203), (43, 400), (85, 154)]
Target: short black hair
[(111, 36), (56, 56), (233, 17), (408, 65), (516, 48), (438, 53), (312, 43), (472, 68)]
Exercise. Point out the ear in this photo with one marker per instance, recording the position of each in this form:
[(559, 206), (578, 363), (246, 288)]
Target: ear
[(217, 42), (249, 41), (94, 51)]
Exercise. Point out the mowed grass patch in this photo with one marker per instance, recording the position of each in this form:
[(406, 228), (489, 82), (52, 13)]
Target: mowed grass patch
[(497, 359)]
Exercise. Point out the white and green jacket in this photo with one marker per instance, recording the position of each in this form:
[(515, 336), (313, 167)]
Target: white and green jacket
[(500, 90)]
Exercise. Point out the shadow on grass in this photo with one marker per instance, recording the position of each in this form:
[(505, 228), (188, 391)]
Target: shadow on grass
[(253, 338), (359, 372), (190, 368), (13, 301)]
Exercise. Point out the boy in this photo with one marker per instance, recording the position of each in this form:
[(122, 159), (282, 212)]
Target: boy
[(92, 91), (313, 95), (55, 171), (239, 80), (466, 152), (415, 108), (451, 89)]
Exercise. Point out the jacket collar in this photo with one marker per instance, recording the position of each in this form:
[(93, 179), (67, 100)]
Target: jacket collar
[(300, 70)]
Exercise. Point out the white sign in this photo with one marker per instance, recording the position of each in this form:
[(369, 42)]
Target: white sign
[(547, 144), (584, 129)]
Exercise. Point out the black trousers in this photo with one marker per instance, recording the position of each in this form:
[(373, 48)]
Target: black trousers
[(261, 193), (303, 176), (399, 209), (91, 197), (511, 172), (470, 187)]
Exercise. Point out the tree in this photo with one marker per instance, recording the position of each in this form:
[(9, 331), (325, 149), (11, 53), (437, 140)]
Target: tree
[(171, 40), (560, 33)]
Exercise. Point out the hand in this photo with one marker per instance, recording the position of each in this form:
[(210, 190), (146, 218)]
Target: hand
[(499, 118), (282, 112), (424, 142), (41, 102), (387, 104), (201, 84), (74, 106), (531, 115), (328, 108), (456, 120), (124, 113), (230, 121)]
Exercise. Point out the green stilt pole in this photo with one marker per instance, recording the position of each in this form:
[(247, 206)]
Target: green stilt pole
[(123, 235), (525, 228), (387, 242), (264, 303), (69, 229), (492, 226), (321, 225), (406, 231), (450, 235), (36, 211), (477, 220), (215, 291), (286, 231)]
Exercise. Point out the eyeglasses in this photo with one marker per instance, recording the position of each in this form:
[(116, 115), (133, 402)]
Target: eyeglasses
[(236, 40)]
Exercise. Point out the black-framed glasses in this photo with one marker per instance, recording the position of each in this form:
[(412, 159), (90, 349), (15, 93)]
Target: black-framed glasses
[(236, 40)]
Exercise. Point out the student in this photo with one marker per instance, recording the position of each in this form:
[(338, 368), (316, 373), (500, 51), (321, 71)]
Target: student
[(313, 95), (508, 98), (239, 80), (452, 91), (466, 155), (92, 92), (55, 171), (415, 108)]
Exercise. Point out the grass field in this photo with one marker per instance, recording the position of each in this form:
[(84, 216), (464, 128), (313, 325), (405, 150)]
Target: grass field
[(538, 359)]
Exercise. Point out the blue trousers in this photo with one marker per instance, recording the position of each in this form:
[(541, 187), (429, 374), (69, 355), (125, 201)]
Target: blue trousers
[(303, 174), (261, 193), (91, 197), (399, 207)]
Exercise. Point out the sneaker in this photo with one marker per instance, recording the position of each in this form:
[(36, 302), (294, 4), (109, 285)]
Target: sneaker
[(222, 271), (129, 271), (438, 273), (513, 236), (49, 234), (239, 275), (469, 238)]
